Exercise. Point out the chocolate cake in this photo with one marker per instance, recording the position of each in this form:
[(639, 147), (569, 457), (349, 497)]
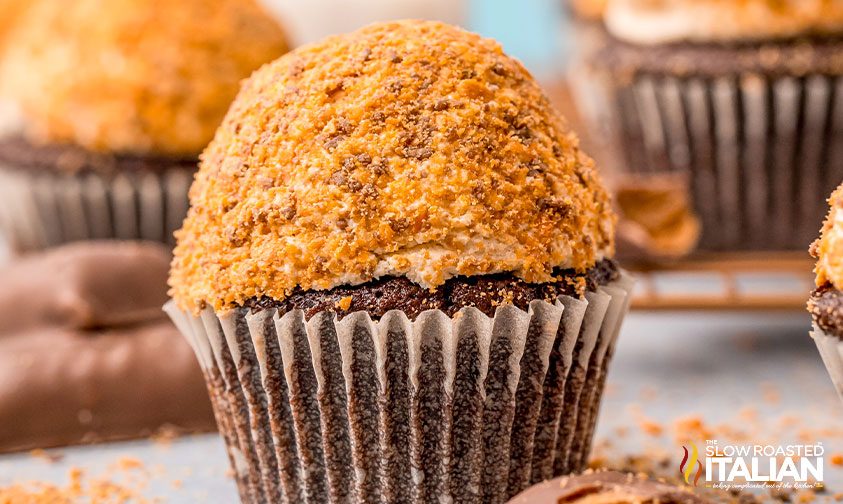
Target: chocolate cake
[(484, 292), (397, 273), (607, 487), (115, 103), (742, 97), (826, 307)]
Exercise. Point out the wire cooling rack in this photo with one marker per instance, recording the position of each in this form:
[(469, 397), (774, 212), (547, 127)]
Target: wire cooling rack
[(780, 281)]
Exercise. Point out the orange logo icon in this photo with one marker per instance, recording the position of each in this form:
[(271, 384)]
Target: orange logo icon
[(691, 461)]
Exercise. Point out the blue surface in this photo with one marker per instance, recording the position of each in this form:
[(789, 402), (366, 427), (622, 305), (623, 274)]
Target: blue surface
[(530, 30)]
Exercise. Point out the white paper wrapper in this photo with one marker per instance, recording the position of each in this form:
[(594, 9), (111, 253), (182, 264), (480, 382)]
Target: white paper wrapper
[(440, 409), (831, 351), (44, 209), (762, 152)]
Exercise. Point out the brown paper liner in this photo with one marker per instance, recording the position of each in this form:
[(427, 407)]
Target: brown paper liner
[(44, 209), (762, 152), (441, 409)]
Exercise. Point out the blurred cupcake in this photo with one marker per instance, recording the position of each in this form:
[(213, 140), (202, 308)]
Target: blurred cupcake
[(589, 10), (745, 97), (826, 302), (587, 20), (607, 487), (117, 100), (396, 271)]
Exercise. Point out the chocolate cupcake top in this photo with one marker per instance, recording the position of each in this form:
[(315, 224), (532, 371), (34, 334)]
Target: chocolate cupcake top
[(666, 21), (134, 75), (606, 487), (408, 149), (828, 249)]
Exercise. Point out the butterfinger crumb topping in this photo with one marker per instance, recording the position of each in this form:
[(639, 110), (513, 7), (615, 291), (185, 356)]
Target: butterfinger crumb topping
[(828, 249), (134, 75), (411, 149)]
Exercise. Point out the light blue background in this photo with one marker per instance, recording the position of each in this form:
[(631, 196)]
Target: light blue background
[(534, 31)]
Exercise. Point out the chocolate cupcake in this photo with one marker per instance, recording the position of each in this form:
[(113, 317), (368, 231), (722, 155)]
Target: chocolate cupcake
[(744, 97), (117, 100), (607, 487), (826, 302), (396, 272)]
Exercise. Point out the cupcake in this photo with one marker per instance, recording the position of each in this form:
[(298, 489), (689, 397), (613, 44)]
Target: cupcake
[(743, 97), (826, 302), (396, 272), (607, 487), (117, 99)]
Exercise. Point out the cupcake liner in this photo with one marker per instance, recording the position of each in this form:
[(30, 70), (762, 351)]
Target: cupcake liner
[(762, 151), (465, 409), (222, 412), (44, 209), (831, 351)]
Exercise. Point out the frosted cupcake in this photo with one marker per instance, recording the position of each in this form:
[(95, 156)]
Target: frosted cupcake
[(396, 271), (744, 97), (826, 302), (117, 100)]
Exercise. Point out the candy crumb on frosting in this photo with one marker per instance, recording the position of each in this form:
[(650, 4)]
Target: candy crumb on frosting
[(828, 249), (410, 149)]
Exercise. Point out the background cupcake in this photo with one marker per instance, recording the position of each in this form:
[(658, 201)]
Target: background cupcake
[(117, 100), (396, 273), (742, 96), (826, 302)]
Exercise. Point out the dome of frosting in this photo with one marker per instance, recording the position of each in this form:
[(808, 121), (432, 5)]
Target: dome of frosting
[(134, 75), (828, 249), (411, 149), (665, 21)]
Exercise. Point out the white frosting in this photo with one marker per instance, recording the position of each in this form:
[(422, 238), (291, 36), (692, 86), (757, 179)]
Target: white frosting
[(651, 22)]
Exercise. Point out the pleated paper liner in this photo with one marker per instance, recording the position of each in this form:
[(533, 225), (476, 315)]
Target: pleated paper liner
[(762, 152), (40, 210), (831, 351), (440, 409)]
